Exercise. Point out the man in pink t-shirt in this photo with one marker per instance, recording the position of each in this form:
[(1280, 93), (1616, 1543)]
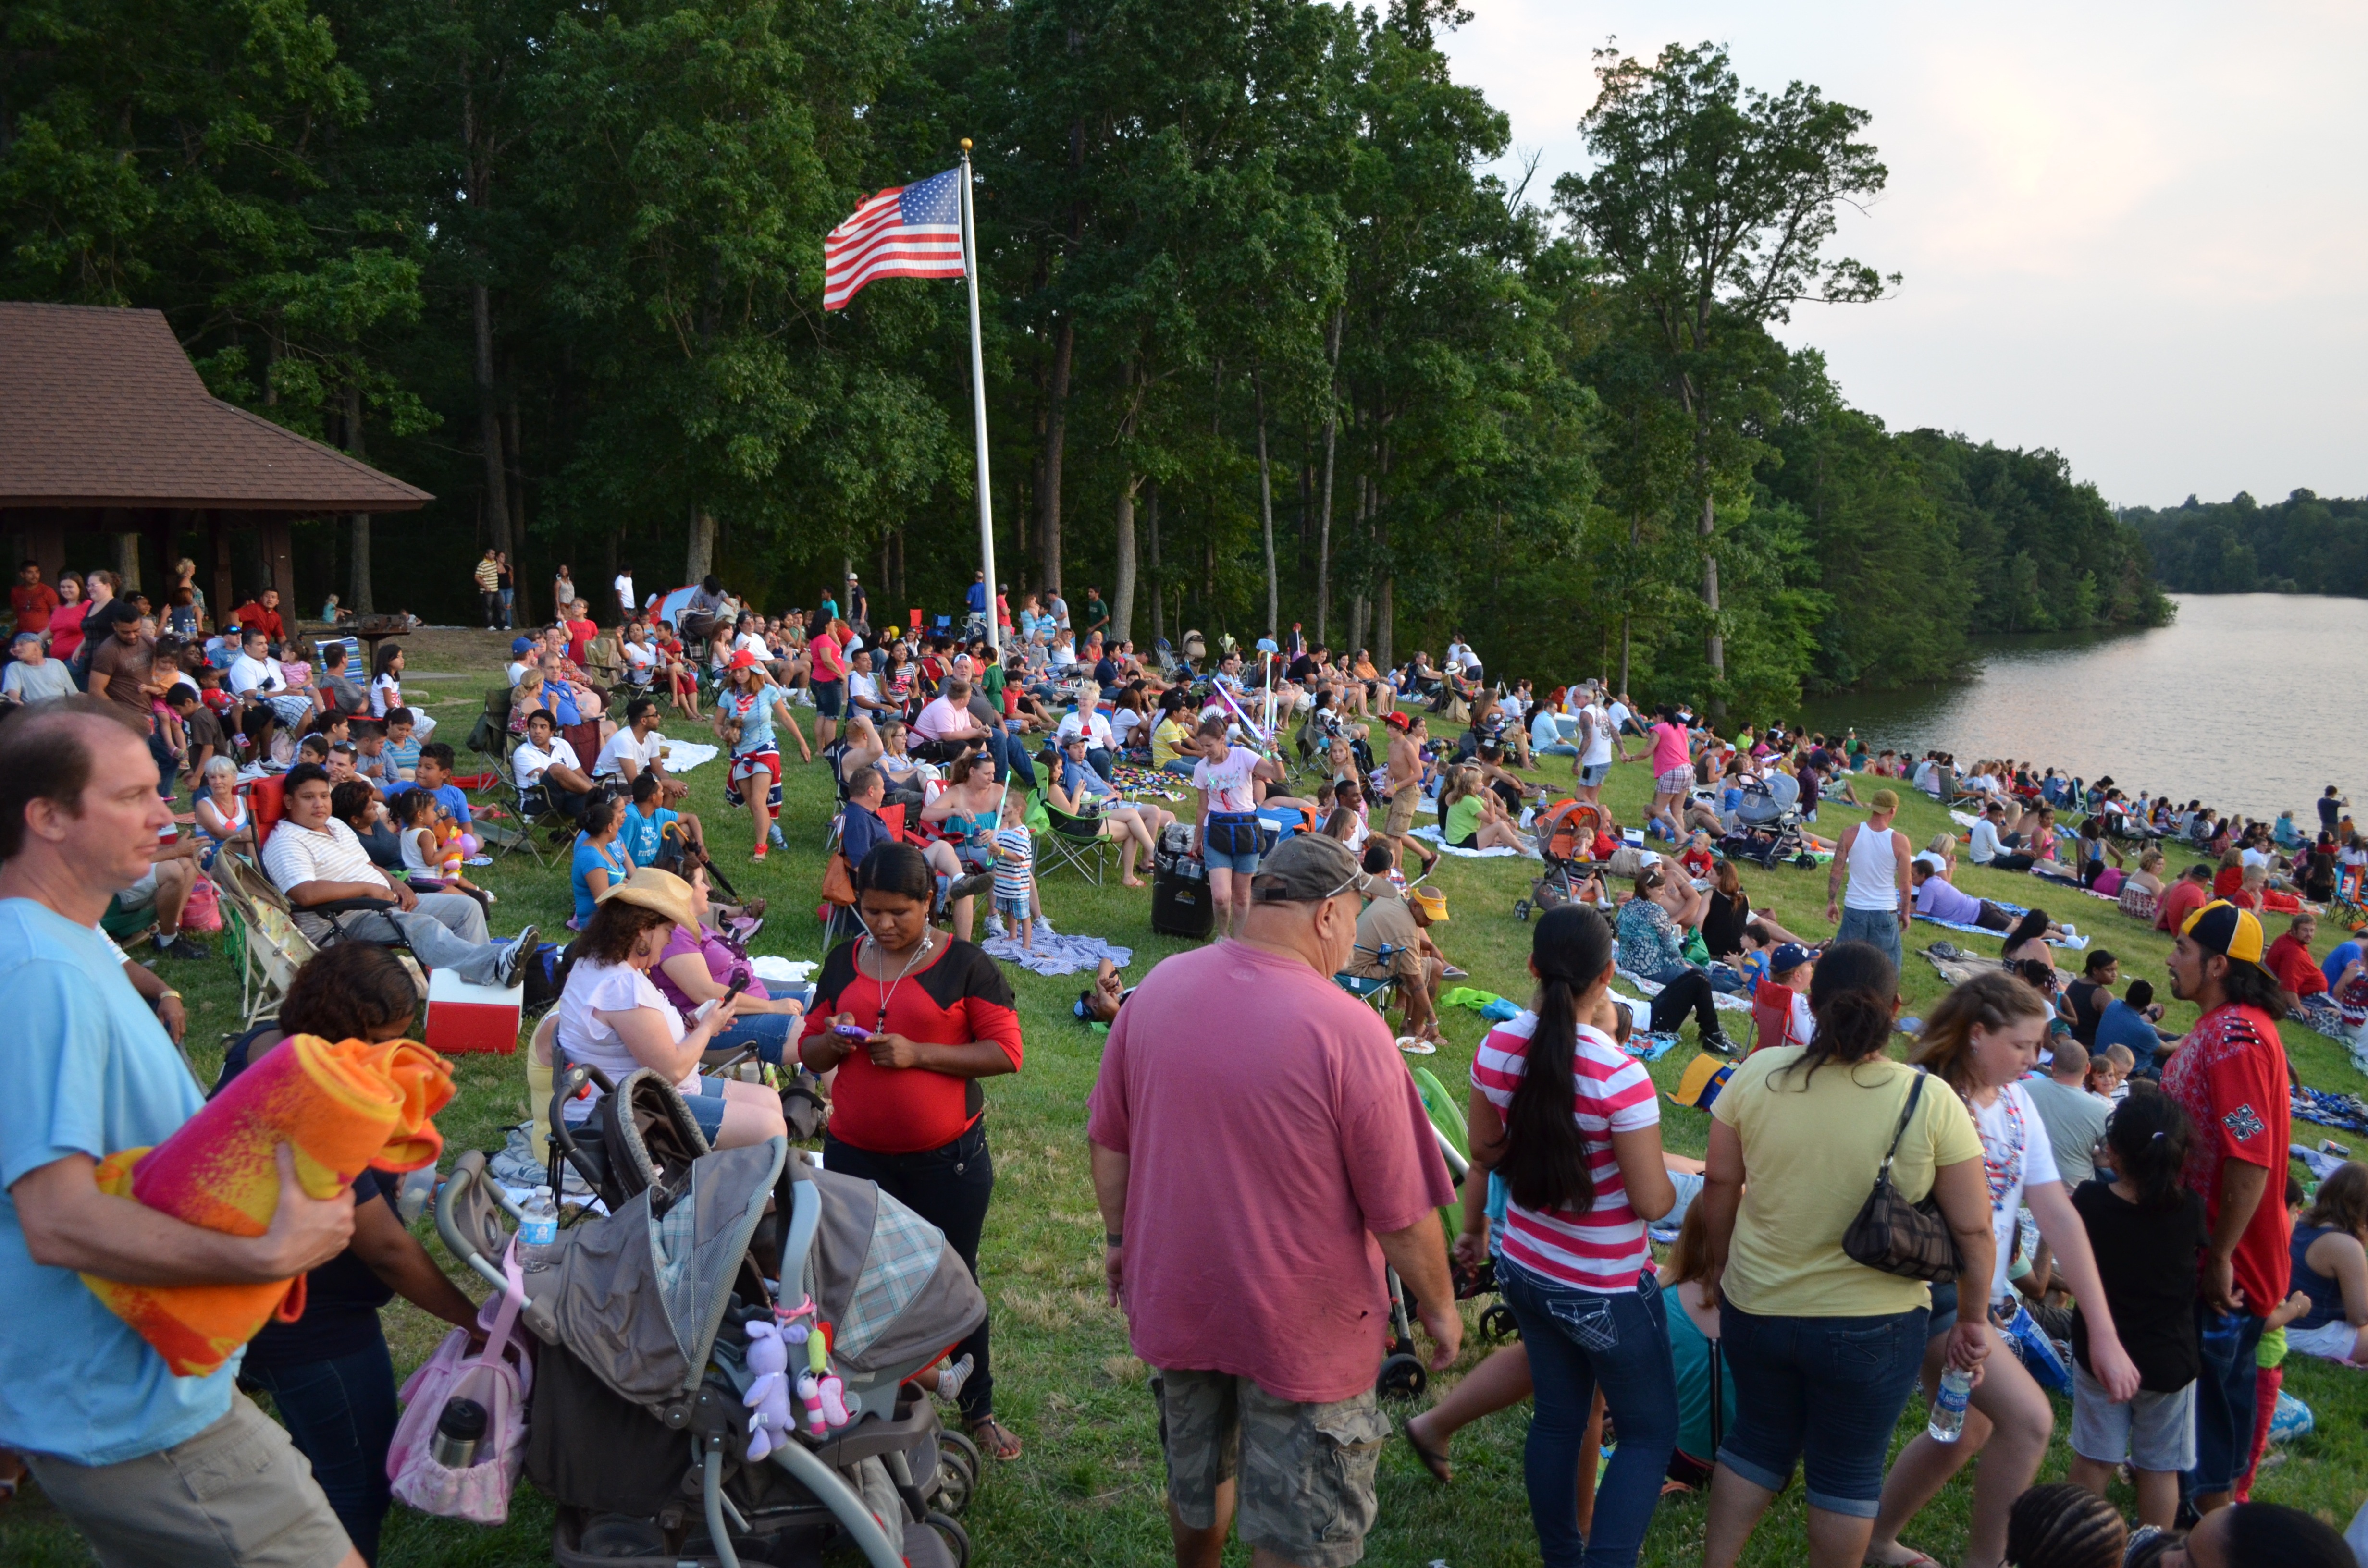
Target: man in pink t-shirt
[(1252, 1184)]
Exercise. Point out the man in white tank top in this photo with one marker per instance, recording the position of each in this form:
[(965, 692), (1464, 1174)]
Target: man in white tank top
[(1874, 857)]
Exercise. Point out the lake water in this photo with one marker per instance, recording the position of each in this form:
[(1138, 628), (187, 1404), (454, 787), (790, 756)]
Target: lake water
[(2249, 702)]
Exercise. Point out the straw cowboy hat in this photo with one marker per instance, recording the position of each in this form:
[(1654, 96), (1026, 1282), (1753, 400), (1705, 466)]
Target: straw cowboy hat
[(654, 889)]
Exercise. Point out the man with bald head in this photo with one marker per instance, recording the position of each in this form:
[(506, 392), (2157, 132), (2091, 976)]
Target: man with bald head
[(152, 1468)]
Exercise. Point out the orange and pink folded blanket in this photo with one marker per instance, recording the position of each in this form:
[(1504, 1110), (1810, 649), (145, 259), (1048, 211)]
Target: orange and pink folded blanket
[(338, 1107)]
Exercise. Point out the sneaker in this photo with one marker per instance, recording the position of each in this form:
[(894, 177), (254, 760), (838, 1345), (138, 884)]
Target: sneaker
[(970, 886), (182, 948), (514, 958), (995, 930), (1717, 1042)]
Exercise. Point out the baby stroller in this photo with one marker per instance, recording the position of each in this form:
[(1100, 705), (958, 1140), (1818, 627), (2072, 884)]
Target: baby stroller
[(1768, 825), (1566, 843), (1403, 1374), (651, 1316)]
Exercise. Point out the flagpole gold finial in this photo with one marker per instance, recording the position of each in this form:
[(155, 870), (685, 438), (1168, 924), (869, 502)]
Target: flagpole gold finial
[(965, 143)]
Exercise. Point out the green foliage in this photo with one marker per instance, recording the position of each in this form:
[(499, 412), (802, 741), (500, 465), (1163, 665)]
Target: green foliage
[(2304, 544)]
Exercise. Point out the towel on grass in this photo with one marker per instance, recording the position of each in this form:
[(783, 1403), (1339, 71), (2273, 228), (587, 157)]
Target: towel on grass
[(1436, 837), (681, 756), (1137, 782), (1056, 953), (2329, 1110), (2075, 943), (1488, 1004), (338, 1107)]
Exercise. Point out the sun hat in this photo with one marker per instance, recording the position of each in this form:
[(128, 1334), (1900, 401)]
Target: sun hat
[(1432, 903), (1309, 866), (654, 889), (2222, 927)]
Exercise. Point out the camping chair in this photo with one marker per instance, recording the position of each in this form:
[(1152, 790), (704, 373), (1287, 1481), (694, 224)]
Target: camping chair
[(489, 737), (1079, 842), (262, 930), (604, 659)]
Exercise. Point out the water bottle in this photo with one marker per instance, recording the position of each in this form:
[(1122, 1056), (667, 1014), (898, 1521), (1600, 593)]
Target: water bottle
[(460, 1431), (1948, 1422), (540, 1226)]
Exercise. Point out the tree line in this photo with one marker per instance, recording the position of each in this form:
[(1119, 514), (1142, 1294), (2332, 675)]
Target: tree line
[(2304, 544), (1265, 344)]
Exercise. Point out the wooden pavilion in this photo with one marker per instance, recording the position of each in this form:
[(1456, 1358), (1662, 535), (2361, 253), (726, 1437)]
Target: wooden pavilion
[(106, 427)]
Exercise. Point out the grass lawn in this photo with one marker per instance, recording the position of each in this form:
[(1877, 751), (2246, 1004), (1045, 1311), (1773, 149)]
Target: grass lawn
[(1090, 1487)]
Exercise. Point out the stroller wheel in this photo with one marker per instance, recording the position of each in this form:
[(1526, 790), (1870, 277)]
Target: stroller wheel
[(1403, 1377), (1805, 861), (1498, 1323), (957, 1538), (958, 1466), (1520, 909)]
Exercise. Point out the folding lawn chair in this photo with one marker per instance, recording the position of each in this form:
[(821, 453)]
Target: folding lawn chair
[(489, 737), (1078, 842), (262, 930)]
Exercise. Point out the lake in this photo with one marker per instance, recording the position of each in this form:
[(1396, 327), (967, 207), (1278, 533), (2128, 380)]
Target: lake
[(2249, 702)]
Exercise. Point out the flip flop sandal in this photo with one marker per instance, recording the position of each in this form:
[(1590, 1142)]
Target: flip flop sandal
[(994, 1439), (1918, 1561), (1434, 1461)]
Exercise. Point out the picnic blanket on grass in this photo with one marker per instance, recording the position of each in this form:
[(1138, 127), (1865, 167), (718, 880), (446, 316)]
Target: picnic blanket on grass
[(1057, 953), (2329, 1109), (1436, 837), (1726, 1002), (681, 756), (1138, 782), (2074, 942)]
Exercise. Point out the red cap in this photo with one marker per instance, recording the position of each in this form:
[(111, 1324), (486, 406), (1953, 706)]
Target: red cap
[(745, 659)]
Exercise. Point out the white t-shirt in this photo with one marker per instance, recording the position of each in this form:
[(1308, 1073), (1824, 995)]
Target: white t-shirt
[(625, 589), (861, 689), (518, 668), (1598, 747), (2010, 1170), (618, 746), (641, 658), (1227, 784), (385, 692), (595, 988), (1619, 714), (253, 675), (530, 760), (1096, 730), (2251, 857)]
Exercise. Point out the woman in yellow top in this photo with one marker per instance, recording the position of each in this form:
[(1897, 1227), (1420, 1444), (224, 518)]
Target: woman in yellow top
[(1824, 1350), (1169, 735)]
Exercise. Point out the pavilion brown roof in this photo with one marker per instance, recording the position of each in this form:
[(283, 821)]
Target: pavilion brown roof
[(101, 408)]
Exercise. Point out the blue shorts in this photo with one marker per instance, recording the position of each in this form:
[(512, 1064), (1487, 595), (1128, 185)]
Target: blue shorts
[(1240, 865), (1013, 908), (706, 1102)]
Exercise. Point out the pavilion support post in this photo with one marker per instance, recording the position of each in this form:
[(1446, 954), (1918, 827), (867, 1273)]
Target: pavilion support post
[(278, 561), (156, 535), (45, 541), (224, 600)]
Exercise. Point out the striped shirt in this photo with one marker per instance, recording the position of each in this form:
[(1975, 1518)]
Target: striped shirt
[(1015, 855), (1604, 1248)]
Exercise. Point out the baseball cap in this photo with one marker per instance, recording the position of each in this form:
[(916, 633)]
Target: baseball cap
[(1788, 957), (520, 644), (1397, 721), (745, 659), (2222, 927), (1307, 867), (1884, 800)]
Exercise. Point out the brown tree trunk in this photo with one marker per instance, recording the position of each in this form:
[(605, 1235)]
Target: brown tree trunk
[(1266, 504), (489, 428), (1122, 626), (700, 560), (1158, 584), (1056, 429), (1331, 431)]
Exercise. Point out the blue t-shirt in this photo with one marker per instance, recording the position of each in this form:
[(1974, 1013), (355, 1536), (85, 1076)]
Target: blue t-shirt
[(861, 832), (974, 597), (753, 712), (90, 1071), (2338, 961), (590, 856), (2120, 1024), (448, 796), (640, 836)]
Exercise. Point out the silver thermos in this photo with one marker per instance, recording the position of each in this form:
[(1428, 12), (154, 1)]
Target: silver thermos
[(459, 1431)]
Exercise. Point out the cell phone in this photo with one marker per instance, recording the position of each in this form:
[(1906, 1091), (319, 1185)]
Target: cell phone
[(737, 987), (851, 1031)]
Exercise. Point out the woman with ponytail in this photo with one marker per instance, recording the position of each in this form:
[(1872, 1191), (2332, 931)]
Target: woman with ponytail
[(1573, 1125), (1823, 1350), (1980, 1041)]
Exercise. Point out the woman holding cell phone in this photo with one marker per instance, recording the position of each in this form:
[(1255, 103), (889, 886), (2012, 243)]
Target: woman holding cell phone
[(913, 1019)]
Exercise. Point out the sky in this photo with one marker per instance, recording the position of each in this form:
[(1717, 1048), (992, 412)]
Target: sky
[(2133, 234)]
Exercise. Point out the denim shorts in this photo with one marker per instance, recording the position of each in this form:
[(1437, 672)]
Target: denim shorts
[(1593, 774), (706, 1102), (1822, 1393), (1240, 865)]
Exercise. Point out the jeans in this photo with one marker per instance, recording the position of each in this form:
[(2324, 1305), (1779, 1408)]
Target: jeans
[(447, 931), (1879, 928), (340, 1414), (1579, 1341), (509, 604), (2224, 1399), (1822, 1393), (771, 1033), (492, 609), (948, 1187), (1010, 758)]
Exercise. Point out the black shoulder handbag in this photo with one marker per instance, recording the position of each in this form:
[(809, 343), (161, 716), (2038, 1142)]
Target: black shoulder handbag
[(1895, 1235)]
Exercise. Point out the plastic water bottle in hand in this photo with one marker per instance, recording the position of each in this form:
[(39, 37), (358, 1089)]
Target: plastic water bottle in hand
[(540, 1226), (1948, 1422)]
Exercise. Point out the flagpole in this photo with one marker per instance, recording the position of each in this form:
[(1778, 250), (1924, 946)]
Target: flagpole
[(978, 405)]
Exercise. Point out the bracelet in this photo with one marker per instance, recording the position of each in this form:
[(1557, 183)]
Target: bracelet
[(169, 993), (1113, 1238)]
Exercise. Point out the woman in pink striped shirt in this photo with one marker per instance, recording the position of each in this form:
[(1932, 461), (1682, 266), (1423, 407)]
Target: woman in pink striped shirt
[(1574, 1127)]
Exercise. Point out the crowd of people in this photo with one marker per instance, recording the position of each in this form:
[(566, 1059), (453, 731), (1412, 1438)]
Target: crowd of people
[(2048, 1156)]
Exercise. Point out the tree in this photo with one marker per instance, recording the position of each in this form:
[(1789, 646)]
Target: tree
[(1712, 205)]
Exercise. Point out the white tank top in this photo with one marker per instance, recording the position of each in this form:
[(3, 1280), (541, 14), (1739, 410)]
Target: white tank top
[(412, 860), (1873, 872), (1599, 745)]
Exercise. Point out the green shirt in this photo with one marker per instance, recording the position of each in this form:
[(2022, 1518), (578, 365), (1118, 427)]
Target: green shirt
[(1096, 611), (991, 683), (1464, 819)]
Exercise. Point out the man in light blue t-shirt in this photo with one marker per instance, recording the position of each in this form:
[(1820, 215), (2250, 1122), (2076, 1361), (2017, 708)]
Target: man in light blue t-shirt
[(150, 1468)]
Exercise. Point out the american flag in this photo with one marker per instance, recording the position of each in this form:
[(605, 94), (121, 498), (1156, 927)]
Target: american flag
[(906, 230)]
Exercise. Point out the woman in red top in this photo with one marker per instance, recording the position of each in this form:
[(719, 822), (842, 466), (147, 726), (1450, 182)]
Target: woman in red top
[(906, 1111)]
